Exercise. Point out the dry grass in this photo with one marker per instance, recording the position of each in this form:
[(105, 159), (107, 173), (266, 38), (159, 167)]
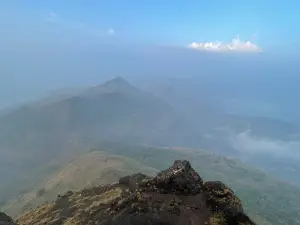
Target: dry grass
[(70, 210), (95, 168), (218, 219)]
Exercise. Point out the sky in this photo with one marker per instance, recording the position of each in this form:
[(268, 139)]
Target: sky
[(53, 44), (267, 24)]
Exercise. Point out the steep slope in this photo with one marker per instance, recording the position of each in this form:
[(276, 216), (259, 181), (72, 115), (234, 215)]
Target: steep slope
[(95, 168), (177, 195), (47, 134), (266, 200)]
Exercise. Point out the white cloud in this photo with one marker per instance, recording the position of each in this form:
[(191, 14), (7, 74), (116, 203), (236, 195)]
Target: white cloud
[(52, 17), (111, 31), (235, 45), (245, 142)]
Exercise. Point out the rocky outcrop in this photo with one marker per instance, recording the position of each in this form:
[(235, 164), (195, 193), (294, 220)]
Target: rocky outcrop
[(180, 178), (220, 197), (134, 181), (176, 196)]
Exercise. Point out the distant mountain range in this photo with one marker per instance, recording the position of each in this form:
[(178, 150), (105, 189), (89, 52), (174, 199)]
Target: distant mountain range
[(266, 200), (39, 139), (45, 133), (51, 132)]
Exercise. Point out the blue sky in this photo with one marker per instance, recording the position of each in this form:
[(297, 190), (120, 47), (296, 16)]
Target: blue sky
[(267, 23), (53, 44)]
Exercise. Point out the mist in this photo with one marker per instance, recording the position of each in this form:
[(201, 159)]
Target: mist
[(53, 55), (245, 142), (38, 57)]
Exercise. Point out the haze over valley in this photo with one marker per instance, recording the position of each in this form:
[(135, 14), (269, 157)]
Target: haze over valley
[(52, 132), (97, 101)]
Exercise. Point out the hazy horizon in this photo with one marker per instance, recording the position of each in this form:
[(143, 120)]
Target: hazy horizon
[(213, 82), (47, 48)]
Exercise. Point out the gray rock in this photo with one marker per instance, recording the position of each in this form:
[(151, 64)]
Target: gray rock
[(5, 219), (134, 181), (179, 178)]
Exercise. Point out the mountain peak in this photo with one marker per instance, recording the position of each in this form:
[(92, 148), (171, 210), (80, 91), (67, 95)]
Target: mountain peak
[(118, 80), (175, 196), (117, 84)]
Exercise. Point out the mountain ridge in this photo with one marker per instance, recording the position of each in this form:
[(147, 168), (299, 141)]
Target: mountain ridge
[(36, 134), (45, 136), (177, 195), (110, 161)]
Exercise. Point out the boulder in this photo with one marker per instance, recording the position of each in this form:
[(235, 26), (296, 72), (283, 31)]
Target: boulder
[(134, 181), (176, 196), (179, 178)]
